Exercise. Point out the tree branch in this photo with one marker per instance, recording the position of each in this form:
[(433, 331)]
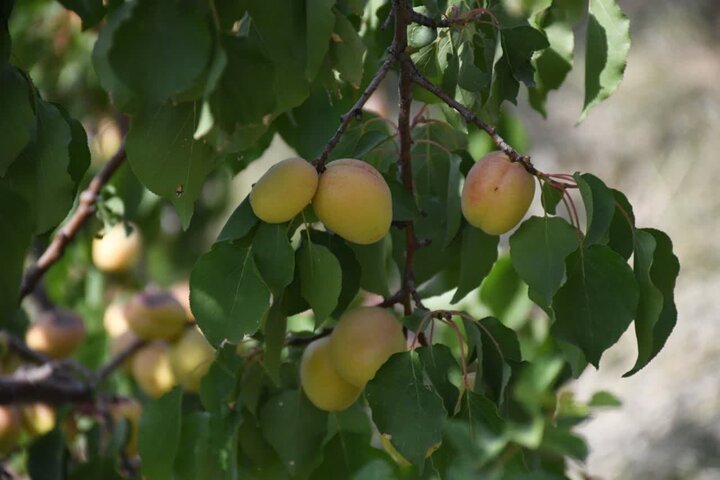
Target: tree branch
[(85, 210)]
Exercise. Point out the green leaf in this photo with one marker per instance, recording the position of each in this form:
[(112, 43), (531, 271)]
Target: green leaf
[(438, 361), (598, 301), (77, 149), (227, 295), (538, 250), (274, 331), (14, 242), (350, 267), (347, 51), (320, 279), (420, 35), (190, 462), (606, 51), (478, 253), (621, 236), (218, 386), (274, 256), (656, 270), (159, 436), (565, 443), (500, 287), (373, 263), (481, 413), (17, 122), (91, 11), (604, 399), (453, 214), (405, 408), (46, 457), (240, 223), (318, 14), (161, 49), (294, 428), (599, 207), (519, 43), (550, 197), (165, 157)]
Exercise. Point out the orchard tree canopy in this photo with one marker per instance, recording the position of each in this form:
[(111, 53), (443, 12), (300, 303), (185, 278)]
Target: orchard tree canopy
[(382, 305)]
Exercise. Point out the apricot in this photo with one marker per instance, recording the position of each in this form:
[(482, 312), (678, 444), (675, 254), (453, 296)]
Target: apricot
[(155, 315), (131, 410), (190, 359), (56, 333), (497, 194), (38, 419), (151, 369), (320, 381), (362, 341), (181, 292), (354, 201), (117, 251), (114, 319), (284, 190), (10, 429)]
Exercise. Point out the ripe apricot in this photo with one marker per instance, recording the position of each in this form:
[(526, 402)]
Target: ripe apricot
[(10, 428), (38, 419), (190, 359), (117, 251), (362, 341), (497, 194), (321, 383), (155, 315), (354, 201), (114, 319), (56, 333), (181, 292), (151, 369), (284, 190)]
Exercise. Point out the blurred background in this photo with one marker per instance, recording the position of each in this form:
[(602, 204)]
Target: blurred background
[(656, 139)]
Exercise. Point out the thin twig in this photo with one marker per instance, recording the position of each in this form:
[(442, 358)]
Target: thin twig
[(119, 359)]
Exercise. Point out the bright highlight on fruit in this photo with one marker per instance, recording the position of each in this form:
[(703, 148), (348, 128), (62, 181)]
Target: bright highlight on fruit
[(38, 419), (354, 201), (117, 251), (285, 189), (362, 341), (325, 388), (497, 194), (56, 333), (190, 359), (152, 371), (155, 315)]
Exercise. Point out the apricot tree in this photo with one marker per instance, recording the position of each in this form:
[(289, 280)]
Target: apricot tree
[(381, 305)]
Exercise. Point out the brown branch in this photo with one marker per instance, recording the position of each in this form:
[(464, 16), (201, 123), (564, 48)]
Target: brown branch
[(471, 117), (47, 383), (85, 210), (470, 16), (104, 371)]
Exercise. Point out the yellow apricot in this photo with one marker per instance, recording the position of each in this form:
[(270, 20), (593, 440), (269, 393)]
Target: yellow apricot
[(181, 292), (152, 371), (497, 194), (10, 428), (38, 419), (56, 333), (362, 341), (131, 410), (190, 359), (117, 251), (284, 190), (354, 201), (321, 383), (114, 319), (155, 315)]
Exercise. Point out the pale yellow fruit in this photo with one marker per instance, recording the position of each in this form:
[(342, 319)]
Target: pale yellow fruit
[(155, 315), (181, 292), (56, 333), (362, 341), (190, 358), (354, 201), (321, 383), (152, 371), (285, 189), (497, 194), (38, 419), (114, 319), (10, 428), (130, 410), (117, 251)]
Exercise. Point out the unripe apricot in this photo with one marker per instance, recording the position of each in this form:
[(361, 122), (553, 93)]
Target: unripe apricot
[(38, 419), (10, 428), (130, 410), (56, 333), (497, 194), (322, 384), (190, 359), (285, 189), (117, 251), (354, 201), (152, 371), (362, 341), (114, 319), (155, 315)]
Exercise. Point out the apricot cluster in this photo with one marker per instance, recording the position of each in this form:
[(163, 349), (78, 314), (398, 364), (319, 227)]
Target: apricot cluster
[(350, 197), (335, 369)]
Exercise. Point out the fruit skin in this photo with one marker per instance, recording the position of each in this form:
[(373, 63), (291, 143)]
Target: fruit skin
[(10, 428), (321, 383), (181, 292), (362, 341), (155, 315), (56, 333), (130, 410), (38, 419), (497, 194), (116, 251), (354, 201), (114, 319), (190, 359), (284, 190), (151, 369)]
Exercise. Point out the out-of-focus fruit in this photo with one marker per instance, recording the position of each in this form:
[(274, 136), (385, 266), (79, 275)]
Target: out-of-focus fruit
[(56, 333)]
